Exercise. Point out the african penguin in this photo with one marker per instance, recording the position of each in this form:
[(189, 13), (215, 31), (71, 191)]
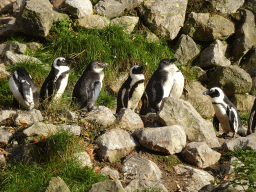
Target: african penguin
[(252, 120), (132, 89), (159, 86), (178, 85), (56, 82), (225, 112), (24, 90), (87, 88)]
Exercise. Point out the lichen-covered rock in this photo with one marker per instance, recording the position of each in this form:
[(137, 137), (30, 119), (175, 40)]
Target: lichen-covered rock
[(14, 58), (227, 6), (107, 186), (128, 22), (83, 159), (92, 22), (201, 75), (56, 184), (79, 9), (110, 172)]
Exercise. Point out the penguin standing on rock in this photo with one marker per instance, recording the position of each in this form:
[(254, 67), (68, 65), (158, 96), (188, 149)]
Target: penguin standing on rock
[(252, 119), (24, 90), (225, 113), (56, 82), (87, 88), (132, 89), (159, 86)]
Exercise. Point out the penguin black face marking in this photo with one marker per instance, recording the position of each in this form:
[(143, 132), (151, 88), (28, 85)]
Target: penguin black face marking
[(137, 69), (213, 92), (166, 62)]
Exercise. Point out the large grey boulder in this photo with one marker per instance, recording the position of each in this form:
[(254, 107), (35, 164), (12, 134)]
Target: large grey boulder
[(207, 27), (14, 58), (107, 186), (56, 184), (92, 22), (164, 18), (180, 112), (186, 49), (142, 185), (232, 80), (141, 168), (245, 36), (114, 8), (169, 140), (128, 22), (240, 143), (78, 8), (199, 154), (115, 144), (8, 25), (216, 54), (227, 6), (40, 23), (195, 179), (5, 136), (28, 117)]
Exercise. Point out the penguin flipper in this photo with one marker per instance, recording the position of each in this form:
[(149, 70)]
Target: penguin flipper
[(252, 123), (144, 99), (25, 90), (93, 95), (216, 123)]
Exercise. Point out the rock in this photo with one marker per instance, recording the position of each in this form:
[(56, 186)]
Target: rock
[(15, 47), (243, 101), (207, 27), (101, 114), (18, 6), (18, 58), (71, 115), (75, 129), (34, 46), (4, 137), (201, 75), (78, 8), (199, 101), (186, 49), (223, 187), (214, 55), (40, 129), (114, 8), (2, 159), (180, 112), (240, 143), (118, 82), (151, 37), (5, 114), (142, 185), (160, 20), (6, 6), (28, 117), (92, 22), (107, 186), (41, 22), (253, 90), (169, 140), (115, 144), (129, 120), (195, 179), (245, 36), (227, 6), (199, 154), (151, 120), (232, 80), (128, 22), (7, 25), (2, 46), (251, 5), (228, 168), (141, 168), (57, 3), (110, 172), (83, 159), (56, 184)]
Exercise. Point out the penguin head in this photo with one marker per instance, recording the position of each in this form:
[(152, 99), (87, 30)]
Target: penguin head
[(61, 63), (168, 64), (215, 93), (136, 70), (96, 66)]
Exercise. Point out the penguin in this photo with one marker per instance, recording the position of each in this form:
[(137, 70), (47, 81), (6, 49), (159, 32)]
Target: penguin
[(252, 120), (159, 86), (88, 86), (132, 89), (24, 89), (225, 113), (56, 82), (178, 85)]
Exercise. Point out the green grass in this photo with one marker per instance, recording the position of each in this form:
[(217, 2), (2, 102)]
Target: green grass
[(168, 161), (53, 160), (244, 116)]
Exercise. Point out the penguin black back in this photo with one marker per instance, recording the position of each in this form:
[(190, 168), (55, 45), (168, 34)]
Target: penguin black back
[(252, 120)]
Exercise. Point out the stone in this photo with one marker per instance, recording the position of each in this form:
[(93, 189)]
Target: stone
[(114, 8), (201, 75), (223, 187), (207, 27), (216, 54), (5, 114), (71, 115), (110, 172), (6, 6), (169, 140), (141, 168), (83, 159), (118, 81), (243, 102), (115, 144), (15, 47), (7, 25), (56, 184), (40, 129), (160, 20), (75, 129), (151, 37), (142, 185), (200, 154), (14, 58), (228, 168), (194, 178), (28, 117), (2, 159), (251, 5), (180, 112), (79, 9), (128, 22), (107, 186), (232, 80), (18, 5), (34, 46), (186, 49), (57, 3), (92, 22), (4, 137), (101, 114), (129, 120), (240, 143), (227, 6)]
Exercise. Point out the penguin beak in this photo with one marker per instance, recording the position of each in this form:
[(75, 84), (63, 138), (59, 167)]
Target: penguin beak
[(173, 60), (103, 65), (206, 92), (69, 60)]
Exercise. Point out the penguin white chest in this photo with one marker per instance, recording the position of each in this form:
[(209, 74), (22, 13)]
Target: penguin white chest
[(167, 85), (136, 96), (62, 88), (222, 116), (178, 85)]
